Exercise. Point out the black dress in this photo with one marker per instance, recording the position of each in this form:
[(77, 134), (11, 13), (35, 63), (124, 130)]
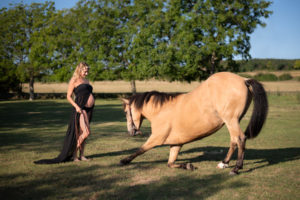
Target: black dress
[(82, 94)]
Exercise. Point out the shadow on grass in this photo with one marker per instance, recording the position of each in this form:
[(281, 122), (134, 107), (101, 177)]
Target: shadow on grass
[(66, 181), (31, 123), (87, 182), (265, 157), (42, 113), (62, 182), (181, 187)]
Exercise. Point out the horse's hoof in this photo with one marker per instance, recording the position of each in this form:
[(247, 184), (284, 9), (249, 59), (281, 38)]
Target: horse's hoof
[(138, 133), (222, 165), (190, 166), (233, 173), (124, 161)]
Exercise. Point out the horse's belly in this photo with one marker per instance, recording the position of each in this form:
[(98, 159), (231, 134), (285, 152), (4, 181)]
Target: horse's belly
[(189, 121), (184, 134)]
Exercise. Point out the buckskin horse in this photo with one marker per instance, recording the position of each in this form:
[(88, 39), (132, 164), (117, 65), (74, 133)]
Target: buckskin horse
[(177, 119)]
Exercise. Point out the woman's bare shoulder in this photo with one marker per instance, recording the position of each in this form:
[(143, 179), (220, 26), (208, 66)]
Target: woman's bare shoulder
[(72, 82)]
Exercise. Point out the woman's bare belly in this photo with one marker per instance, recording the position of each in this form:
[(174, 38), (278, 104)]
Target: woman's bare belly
[(90, 102)]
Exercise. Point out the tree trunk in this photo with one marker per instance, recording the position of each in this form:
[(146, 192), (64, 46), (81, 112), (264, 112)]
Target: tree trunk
[(31, 88), (19, 91), (213, 64), (133, 87)]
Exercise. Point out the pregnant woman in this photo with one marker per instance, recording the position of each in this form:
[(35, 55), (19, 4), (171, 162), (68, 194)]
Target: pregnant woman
[(79, 125)]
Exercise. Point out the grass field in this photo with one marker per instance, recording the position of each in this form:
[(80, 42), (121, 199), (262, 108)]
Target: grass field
[(34, 130)]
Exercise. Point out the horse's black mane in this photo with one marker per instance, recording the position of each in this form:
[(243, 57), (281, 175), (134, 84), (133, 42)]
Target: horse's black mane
[(158, 98)]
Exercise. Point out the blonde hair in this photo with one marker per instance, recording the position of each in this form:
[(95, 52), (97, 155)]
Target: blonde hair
[(79, 67)]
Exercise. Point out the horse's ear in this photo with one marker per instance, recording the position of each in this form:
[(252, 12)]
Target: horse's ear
[(126, 101)]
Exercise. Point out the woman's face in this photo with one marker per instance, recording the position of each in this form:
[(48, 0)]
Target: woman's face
[(84, 72)]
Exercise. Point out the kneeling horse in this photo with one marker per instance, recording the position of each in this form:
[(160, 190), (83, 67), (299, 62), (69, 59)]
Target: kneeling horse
[(177, 119)]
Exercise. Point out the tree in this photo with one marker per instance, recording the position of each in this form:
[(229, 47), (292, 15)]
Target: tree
[(8, 78), (103, 36), (179, 40), (64, 41), (140, 27), (88, 32), (205, 32), (28, 47)]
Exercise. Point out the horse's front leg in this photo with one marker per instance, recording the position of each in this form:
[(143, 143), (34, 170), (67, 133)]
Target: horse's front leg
[(174, 150), (151, 142)]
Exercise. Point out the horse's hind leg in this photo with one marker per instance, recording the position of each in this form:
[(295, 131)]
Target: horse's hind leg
[(241, 152), (225, 162), (237, 139), (174, 150)]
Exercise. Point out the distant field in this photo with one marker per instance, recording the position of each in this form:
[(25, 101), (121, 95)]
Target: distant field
[(118, 86), (163, 86)]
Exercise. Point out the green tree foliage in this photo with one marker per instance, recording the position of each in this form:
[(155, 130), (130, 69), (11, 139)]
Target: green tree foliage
[(140, 26), (187, 40), (209, 31), (88, 32), (8, 78), (27, 44)]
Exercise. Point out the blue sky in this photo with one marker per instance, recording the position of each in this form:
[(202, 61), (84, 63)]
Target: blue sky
[(279, 39)]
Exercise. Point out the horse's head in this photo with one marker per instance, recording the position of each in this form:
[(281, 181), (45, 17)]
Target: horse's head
[(134, 118)]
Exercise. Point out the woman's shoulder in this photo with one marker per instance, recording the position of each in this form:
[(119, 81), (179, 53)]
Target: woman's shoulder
[(73, 80)]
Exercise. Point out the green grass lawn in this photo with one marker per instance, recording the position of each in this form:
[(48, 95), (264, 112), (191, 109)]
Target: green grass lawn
[(35, 130)]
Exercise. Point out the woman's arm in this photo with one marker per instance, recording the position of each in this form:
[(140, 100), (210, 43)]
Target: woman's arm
[(69, 95)]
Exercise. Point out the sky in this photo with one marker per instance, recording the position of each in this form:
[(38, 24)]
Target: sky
[(279, 39)]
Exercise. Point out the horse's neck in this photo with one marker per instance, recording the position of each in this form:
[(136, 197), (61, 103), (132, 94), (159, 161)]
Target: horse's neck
[(151, 109)]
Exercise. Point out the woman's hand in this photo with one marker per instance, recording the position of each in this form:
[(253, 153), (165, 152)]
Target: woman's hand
[(78, 109)]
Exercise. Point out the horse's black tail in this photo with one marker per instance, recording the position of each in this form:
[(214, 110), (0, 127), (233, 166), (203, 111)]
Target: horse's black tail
[(260, 109)]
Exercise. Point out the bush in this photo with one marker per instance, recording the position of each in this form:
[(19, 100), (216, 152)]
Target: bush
[(285, 77), (266, 77)]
